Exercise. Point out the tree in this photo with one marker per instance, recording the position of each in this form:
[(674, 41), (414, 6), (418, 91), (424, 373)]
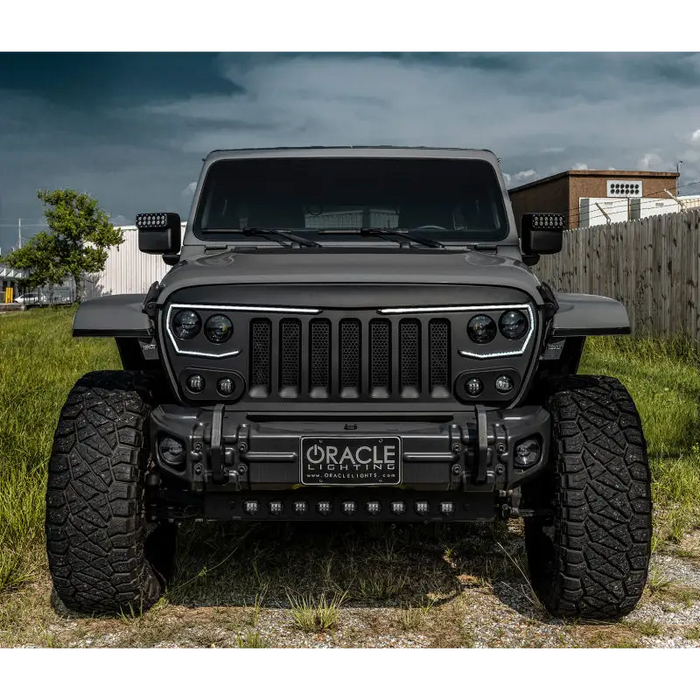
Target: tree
[(78, 242)]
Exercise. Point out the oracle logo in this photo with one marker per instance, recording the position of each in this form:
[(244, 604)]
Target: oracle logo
[(332, 457)]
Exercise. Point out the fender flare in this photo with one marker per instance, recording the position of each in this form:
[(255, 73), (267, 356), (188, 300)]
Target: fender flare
[(581, 315), (116, 316)]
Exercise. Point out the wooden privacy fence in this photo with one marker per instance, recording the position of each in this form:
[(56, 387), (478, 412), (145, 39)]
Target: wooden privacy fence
[(651, 265)]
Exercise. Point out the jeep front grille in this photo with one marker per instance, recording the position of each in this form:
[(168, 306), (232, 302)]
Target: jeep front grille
[(350, 358)]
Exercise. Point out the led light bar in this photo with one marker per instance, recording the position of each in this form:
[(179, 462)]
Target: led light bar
[(151, 222), (548, 222)]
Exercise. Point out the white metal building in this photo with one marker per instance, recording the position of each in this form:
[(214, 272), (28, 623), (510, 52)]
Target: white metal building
[(689, 201), (128, 270), (597, 211), (9, 278)]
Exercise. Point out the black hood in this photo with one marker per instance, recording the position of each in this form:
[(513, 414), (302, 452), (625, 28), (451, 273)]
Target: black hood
[(377, 267)]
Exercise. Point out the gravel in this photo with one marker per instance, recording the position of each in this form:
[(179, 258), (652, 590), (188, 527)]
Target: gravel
[(503, 613)]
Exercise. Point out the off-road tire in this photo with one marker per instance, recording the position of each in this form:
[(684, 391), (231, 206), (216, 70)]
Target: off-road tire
[(590, 560), (95, 516)]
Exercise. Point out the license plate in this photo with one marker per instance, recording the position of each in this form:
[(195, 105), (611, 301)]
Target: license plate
[(350, 461)]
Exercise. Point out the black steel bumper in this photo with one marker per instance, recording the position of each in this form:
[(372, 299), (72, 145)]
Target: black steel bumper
[(474, 452)]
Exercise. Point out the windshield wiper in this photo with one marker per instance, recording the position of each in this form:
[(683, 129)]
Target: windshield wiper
[(402, 233), (281, 233), (269, 233)]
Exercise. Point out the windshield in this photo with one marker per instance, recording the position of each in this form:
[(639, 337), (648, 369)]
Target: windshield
[(448, 200)]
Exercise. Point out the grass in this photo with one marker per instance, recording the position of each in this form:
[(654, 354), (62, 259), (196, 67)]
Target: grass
[(312, 615), (647, 628), (692, 634), (410, 618), (252, 569), (252, 640), (39, 363), (382, 584), (663, 377)]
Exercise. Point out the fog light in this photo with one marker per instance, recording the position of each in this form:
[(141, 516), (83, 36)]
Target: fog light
[(324, 507), (300, 507), (349, 507), (422, 507), (504, 384), (171, 451), (251, 507), (398, 507), (474, 386), (374, 507), (527, 453), (225, 386), (276, 507), (447, 507), (195, 383)]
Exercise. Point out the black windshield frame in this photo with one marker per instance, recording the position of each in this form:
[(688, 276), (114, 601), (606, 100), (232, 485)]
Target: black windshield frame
[(270, 184)]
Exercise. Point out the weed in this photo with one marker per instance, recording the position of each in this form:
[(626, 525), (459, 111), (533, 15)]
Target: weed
[(693, 633), (527, 591), (312, 615), (411, 617), (382, 584), (252, 640), (647, 628), (657, 582)]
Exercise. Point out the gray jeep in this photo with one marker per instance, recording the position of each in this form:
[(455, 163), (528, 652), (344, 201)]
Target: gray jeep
[(350, 334)]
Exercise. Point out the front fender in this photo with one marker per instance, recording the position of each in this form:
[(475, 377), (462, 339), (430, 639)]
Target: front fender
[(581, 315), (116, 316)]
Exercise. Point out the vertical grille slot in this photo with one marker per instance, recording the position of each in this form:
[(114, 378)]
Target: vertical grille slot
[(319, 359), (350, 354), (290, 357), (409, 358), (439, 367), (380, 359), (260, 357)]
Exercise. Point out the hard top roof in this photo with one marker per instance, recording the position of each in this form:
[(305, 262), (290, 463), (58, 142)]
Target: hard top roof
[(352, 152)]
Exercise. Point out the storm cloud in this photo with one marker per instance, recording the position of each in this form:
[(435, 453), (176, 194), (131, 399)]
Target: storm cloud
[(132, 129)]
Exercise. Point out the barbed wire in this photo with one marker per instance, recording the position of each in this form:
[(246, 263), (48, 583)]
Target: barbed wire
[(623, 201)]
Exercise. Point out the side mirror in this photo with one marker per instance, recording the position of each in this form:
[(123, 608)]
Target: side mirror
[(159, 234), (542, 234)]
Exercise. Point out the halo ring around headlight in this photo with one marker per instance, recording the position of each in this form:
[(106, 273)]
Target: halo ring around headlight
[(513, 324), (481, 329), (218, 328), (186, 324)]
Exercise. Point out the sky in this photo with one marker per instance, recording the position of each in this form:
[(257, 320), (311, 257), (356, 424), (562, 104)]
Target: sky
[(132, 128)]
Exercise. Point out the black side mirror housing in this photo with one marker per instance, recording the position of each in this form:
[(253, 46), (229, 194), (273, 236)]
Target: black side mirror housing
[(542, 234), (159, 234)]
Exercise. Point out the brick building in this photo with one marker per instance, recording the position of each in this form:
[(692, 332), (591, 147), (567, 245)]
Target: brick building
[(562, 193)]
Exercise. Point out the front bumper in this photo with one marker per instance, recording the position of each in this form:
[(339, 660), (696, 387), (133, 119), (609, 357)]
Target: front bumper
[(472, 452)]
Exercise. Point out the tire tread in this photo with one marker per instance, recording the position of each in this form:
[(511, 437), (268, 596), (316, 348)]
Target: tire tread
[(95, 525), (596, 566)]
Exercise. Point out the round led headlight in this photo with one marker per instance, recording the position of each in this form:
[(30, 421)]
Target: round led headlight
[(481, 329), (186, 324), (513, 324), (218, 328)]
